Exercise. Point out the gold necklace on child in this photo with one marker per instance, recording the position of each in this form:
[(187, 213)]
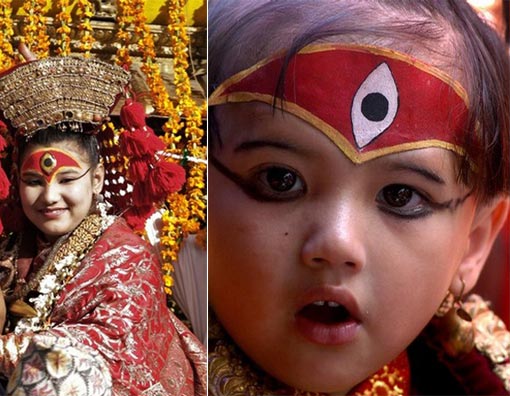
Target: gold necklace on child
[(231, 373), (57, 270)]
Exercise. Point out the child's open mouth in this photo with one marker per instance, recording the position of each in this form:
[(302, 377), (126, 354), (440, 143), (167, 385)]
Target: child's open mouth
[(325, 312), (328, 316)]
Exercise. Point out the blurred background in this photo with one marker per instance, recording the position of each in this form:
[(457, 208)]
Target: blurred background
[(494, 283)]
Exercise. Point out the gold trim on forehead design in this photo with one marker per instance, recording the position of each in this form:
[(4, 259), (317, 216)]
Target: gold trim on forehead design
[(369, 101), (48, 161), (47, 92)]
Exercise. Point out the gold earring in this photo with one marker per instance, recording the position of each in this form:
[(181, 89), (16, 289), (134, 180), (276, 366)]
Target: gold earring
[(461, 312), (446, 304), (455, 328)]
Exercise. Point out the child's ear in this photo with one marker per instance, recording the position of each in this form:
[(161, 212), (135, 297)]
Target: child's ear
[(98, 178), (487, 223)]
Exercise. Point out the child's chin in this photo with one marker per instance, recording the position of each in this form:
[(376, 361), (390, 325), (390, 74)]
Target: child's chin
[(321, 382)]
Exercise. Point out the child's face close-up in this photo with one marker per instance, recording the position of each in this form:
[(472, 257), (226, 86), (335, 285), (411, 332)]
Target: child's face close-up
[(320, 269), (56, 186)]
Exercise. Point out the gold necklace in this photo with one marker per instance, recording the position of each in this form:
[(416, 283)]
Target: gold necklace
[(231, 373), (58, 268)]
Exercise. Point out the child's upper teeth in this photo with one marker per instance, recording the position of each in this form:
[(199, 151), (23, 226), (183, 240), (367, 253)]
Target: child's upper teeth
[(321, 303)]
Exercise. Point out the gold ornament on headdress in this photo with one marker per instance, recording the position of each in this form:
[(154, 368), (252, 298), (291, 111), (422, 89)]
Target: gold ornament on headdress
[(50, 91)]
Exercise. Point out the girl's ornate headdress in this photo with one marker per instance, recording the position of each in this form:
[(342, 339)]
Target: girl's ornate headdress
[(58, 90)]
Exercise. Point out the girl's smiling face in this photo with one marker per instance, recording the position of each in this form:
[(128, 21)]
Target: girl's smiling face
[(323, 271), (56, 187)]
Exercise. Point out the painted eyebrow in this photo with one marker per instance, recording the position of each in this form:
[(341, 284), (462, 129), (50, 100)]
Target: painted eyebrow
[(70, 171), (420, 170), (31, 173), (263, 143)]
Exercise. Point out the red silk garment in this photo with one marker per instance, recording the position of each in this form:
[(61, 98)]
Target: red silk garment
[(113, 313)]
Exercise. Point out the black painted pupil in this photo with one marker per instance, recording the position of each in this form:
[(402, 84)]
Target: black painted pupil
[(375, 106), (397, 196), (48, 162), (281, 179)]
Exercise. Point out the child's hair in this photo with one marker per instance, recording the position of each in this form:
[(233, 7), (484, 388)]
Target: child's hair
[(448, 34), (46, 137)]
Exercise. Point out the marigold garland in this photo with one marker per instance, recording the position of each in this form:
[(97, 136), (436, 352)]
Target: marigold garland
[(63, 20), (84, 12), (192, 201), (186, 211), (35, 34), (124, 18), (6, 33), (145, 44)]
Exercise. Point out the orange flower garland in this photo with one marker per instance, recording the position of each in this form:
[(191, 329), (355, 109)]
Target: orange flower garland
[(35, 34), (6, 33), (84, 12), (124, 19), (192, 204), (149, 66), (62, 20), (186, 211)]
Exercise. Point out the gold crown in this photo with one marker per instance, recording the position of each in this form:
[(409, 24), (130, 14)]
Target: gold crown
[(47, 92)]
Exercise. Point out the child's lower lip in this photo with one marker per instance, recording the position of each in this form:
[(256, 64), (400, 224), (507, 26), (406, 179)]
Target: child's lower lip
[(327, 334), (52, 213)]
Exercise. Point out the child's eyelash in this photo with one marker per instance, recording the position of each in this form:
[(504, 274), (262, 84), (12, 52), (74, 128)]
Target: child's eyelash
[(430, 207), (255, 187)]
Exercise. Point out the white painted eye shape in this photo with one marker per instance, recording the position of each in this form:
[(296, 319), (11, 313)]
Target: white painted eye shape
[(374, 106)]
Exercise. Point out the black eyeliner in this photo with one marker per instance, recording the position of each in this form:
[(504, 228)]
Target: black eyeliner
[(451, 205), (79, 177), (234, 177), (421, 213), (246, 185)]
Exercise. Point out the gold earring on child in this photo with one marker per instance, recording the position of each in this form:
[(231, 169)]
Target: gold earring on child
[(456, 331)]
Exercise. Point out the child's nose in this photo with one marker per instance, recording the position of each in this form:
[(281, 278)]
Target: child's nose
[(336, 237), (51, 193)]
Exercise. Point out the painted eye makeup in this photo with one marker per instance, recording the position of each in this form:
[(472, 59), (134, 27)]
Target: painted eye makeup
[(32, 182), (67, 179), (272, 183), (407, 202), (404, 201)]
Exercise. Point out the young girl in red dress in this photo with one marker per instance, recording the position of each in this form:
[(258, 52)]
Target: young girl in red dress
[(85, 312)]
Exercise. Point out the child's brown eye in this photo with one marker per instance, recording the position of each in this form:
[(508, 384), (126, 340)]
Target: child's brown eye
[(267, 182), (274, 183), (403, 201), (397, 195), (280, 179)]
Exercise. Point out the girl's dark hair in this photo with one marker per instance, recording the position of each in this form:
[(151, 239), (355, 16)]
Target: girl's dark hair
[(446, 33), (46, 137)]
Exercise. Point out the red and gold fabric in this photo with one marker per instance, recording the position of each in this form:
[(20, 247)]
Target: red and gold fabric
[(112, 315)]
